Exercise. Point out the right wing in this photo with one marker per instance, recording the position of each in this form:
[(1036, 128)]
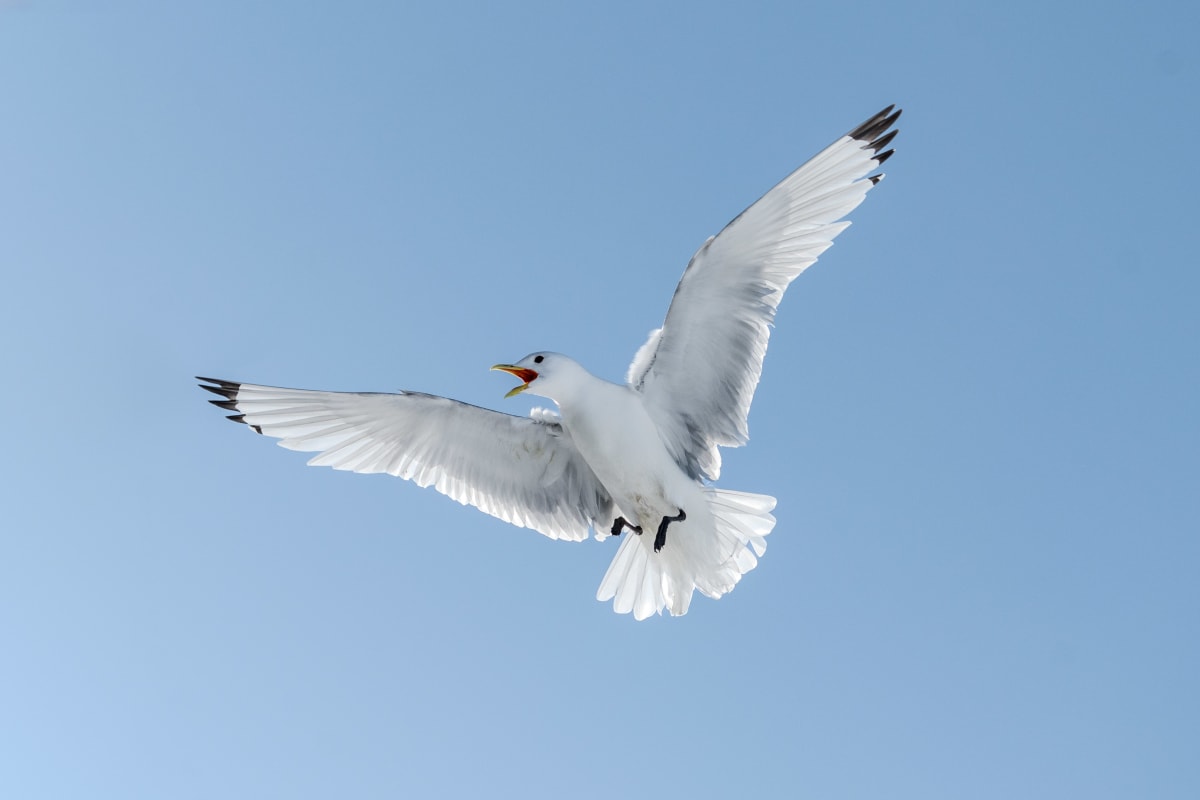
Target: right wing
[(698, 372), (525, 471)]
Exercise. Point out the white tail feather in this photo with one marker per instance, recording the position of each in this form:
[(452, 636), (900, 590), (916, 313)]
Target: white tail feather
[(711, 552)]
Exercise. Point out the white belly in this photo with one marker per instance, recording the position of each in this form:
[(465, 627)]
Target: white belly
[(621, 444)]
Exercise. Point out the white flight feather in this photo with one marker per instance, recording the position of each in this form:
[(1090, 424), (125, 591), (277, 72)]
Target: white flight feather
[(699, 371), (523, 470)]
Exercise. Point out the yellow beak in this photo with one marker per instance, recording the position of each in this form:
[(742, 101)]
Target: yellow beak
[(526, 375)]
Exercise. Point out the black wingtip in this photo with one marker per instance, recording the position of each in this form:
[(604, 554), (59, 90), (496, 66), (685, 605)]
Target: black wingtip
[(228, 390), (242, 419), (872, 132), (218, 381), (228, 394), (884, 141)]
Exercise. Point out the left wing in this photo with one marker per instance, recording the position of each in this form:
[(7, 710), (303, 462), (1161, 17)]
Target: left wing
[(698, 372), (525, 471)]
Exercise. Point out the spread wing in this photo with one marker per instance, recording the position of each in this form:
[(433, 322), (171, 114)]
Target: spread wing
[(526, 471), (699, 371)]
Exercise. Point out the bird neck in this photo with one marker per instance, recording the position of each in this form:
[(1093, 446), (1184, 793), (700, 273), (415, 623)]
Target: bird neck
[(581, 391)]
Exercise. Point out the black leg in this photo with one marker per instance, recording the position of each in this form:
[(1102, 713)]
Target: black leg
[(660, 538), (620, 523)]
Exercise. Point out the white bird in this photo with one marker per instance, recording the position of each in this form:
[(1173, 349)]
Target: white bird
[(634, 458)]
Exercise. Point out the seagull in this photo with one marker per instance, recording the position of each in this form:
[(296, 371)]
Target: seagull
[(636, 459)]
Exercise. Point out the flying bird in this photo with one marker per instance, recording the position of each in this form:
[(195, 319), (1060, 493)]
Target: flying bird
[(634, 460)]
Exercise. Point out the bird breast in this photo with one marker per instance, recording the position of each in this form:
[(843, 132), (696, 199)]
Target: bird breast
[(620, 442)]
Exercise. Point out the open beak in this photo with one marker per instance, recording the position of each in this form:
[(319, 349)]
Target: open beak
[(525, 375)]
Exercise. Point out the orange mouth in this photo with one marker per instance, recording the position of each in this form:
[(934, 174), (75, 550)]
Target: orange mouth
[(526, 375)]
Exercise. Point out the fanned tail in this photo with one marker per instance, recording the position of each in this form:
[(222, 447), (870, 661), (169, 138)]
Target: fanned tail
[(710, 552)]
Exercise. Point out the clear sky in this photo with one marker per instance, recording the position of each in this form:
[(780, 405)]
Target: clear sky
[(978, 411)]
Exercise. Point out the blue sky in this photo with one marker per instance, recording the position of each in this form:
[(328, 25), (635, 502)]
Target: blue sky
[(978, 410)]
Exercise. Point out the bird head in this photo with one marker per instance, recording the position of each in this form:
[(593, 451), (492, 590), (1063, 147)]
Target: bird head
[(536, 370)]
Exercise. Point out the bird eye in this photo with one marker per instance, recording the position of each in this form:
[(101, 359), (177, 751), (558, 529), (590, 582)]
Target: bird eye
[(538, 359)]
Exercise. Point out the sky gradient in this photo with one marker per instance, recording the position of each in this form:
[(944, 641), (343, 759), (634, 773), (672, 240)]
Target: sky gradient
[(978, 409)]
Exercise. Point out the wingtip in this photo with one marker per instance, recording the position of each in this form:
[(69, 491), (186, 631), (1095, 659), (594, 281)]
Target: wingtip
[(884, 141), (242, 419), (229, 391), (874, 132)]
